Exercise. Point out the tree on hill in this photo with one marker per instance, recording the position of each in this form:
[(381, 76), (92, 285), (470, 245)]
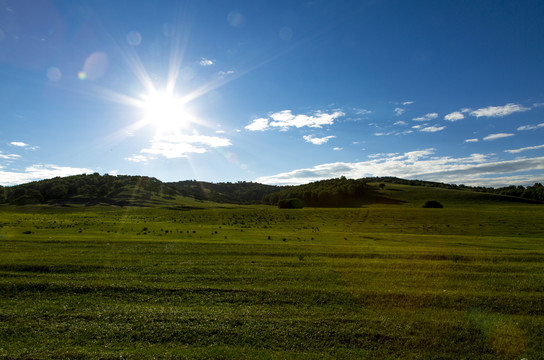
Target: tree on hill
[(324, 193), (433, 204)]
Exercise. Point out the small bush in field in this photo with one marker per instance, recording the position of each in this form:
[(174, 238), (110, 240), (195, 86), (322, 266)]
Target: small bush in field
[(433, 204)]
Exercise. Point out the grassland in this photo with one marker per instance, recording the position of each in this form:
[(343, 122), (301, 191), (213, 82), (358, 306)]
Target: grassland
[(382, 281)]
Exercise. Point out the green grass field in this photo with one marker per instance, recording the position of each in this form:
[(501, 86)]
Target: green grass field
[(383, 281)]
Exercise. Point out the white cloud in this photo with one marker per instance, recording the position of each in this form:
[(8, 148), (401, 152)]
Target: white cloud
[(530, 127), (402, 123), (206, 62), (220, 131), (223, 74), (362, 111), (260, 124), (176, 146), (23, 145), (338, 149), (384, 134), (471, 140), (9, 156), (317, 141), (426, 117), (498, 111), (491, 137), (408, 102), (286, 119), (138, 158), (538, 105), (454, 116), (434, 128), (524, 149), (399, 111), (39, 172), (381, 155), (476, 169)]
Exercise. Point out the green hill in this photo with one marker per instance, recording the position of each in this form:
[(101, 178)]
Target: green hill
[(124, 190)]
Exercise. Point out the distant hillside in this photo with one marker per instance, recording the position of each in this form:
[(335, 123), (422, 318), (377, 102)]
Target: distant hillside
[(89, 190), (535, 192), (339, 192), (124, 190), (344, 192), (241, 192)]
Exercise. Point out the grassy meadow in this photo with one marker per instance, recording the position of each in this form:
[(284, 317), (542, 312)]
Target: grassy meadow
[(247, 282)]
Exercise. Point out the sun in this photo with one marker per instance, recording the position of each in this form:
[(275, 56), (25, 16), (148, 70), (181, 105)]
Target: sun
[(165, 111)]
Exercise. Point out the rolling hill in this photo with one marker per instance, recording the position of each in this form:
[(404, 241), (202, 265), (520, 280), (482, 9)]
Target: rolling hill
[(124, 190)]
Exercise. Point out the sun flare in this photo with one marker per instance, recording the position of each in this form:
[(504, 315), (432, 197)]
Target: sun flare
[(165, 111)]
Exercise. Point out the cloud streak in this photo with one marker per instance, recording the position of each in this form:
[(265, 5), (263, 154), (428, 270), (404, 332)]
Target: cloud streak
[(530, 127), (286, 119), (39, 172), (476, 169), (317, 141), (498, 111), (492, 137), (426, 117), (23, 145), (173, 146), (515, 151)]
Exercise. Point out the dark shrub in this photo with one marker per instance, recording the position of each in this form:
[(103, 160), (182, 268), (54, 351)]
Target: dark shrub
[(294, 203), (433, 204)]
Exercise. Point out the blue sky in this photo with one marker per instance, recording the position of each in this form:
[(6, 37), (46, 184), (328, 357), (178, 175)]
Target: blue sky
[(279, 92)]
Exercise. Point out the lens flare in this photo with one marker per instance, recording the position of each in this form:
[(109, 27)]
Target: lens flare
[(134, 38)]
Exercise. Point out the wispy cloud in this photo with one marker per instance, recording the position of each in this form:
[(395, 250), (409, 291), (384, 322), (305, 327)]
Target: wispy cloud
[(426, 117), (398, 111), (454, 116), (499, 111), (223, 74), (317, 141), (434, 128), (471, 140), (382, 155), (23, 145), (338, 149), (492, 137), (385, 133), (9, 156), (39, 172), (530, 127), (206, 62), (408, 103), (139, 158), (286, 119), (401, 123), (359, 111), (515, 151), (173, 146), (476, 169)]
